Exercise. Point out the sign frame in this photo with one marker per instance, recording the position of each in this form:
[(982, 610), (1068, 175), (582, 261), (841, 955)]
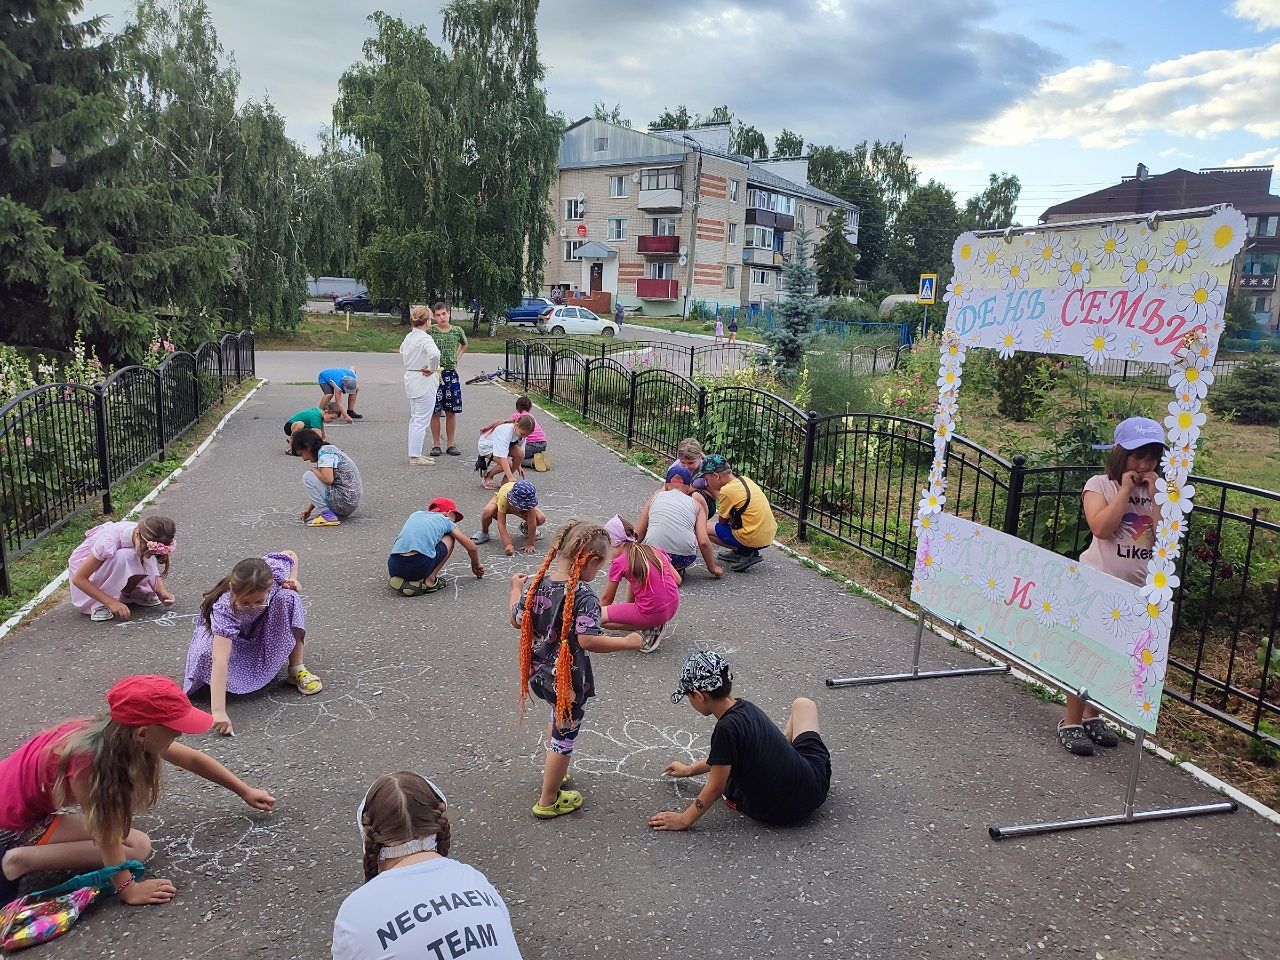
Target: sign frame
[(932, 286)]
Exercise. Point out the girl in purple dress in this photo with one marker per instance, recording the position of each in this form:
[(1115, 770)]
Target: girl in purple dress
[(122, 563), (251, 624)]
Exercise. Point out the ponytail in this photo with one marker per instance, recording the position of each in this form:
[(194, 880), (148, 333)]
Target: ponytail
[(249, 574)]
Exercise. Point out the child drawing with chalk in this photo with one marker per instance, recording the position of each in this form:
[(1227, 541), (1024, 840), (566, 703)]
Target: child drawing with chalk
[(109, 767), (655, 586), (122, 563), (558, 616), (251, 625), (518, 498), (1120, 508)]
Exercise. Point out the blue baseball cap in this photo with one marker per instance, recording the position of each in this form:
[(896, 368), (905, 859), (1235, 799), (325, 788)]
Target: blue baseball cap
[(1138, 432), (681, 471)]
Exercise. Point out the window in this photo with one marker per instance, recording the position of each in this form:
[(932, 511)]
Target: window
[(800, 215), (571, 250), (730, 277), (602, 143), (660, 270), (785, 205), (665, 179), (777, 280), (759, 278), (664, 226), (1261, 304), (618, 186), (759, 237), (574, 209), (733, 233), (1260, 264), (1263, 226), (819, 217), (733, 194), (617, 228)]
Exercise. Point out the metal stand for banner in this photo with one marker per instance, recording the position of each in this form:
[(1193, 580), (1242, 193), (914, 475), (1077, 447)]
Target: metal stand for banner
[(1130, 815)]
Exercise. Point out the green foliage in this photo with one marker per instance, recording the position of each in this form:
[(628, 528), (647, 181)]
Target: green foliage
[(832, 386), (1075, 416), (341, 190), (912, 389), (1250, 394), (678, 119), (1016, 379), (602, 111), (747, 141), (796, 313), (993, 208), (840, 172), (923, 234), (850, 310), (788, 144), (835, 258), (1239, 318)]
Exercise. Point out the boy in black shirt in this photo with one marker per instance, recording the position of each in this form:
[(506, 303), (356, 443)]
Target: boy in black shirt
[(774, 776)]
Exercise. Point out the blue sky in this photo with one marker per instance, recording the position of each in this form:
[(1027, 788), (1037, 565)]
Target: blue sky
[(1070, 97)]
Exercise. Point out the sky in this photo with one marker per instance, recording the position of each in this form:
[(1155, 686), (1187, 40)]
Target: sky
[(1069, 97)]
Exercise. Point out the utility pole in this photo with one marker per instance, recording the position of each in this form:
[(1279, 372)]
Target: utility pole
[(693, 233)]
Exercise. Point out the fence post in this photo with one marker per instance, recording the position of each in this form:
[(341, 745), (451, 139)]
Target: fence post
[(161, 443), (1014, 505), (253, 353), (806, 475), (551, 379), (526, 367), (222, 375), (104, 465), (239, 376), (691, 350), (5, 587), (631, 409), (702, 407), (586, 388)]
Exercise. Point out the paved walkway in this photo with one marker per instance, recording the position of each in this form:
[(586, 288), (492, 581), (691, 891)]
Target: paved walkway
[(897, 864)]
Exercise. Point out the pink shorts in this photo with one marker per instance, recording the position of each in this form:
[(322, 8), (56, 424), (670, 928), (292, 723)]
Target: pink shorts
[(630, 614)]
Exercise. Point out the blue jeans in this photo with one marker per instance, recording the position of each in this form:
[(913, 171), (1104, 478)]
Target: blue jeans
[(724, 533)]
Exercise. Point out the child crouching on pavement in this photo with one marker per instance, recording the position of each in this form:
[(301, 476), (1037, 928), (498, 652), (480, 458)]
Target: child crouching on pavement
[(554, 666), (424, 546), (519, 498)]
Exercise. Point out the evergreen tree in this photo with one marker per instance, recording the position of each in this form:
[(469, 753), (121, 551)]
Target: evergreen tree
[(835, 258), (796, 313), (90, 238)]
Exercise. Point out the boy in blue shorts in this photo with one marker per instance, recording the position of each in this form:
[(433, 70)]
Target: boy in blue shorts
[(423, 548), (339, 382)]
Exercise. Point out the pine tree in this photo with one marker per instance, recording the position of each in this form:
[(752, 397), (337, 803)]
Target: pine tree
[(88, 240), (835, 258), (796, 312)]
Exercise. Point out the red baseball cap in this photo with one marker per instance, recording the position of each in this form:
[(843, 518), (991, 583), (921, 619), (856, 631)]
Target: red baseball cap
[(444, 505), (145, 701)]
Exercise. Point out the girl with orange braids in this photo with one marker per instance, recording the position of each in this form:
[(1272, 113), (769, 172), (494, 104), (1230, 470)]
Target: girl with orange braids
[(558, 616)]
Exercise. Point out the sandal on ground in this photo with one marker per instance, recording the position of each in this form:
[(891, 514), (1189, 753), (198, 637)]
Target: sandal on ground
[(435, 452), (440, 584), (306, 682), (326, 518), (1100, 733), (567, 802), (101, 615), (480, 537), (1075, 740), (488, 485), (454, 451), (653, 638), (407, 588)]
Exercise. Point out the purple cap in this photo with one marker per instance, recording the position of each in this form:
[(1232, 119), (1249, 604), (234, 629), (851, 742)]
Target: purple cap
[(1138, 432), (681, 471)]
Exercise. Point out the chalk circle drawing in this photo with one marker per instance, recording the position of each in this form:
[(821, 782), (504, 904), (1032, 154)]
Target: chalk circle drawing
[(639, 750), (223, 844), (268, 517), (350, 700)]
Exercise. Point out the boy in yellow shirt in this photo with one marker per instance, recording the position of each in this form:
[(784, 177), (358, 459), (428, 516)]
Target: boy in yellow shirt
[(745, 521)]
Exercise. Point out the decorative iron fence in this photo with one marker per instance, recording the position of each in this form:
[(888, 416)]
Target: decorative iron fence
[(64, 444), (763, 317), (858, 477), (716, 359)]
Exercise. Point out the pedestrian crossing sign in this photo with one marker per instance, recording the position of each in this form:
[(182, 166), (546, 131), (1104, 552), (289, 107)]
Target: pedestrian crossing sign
[(928, 289)]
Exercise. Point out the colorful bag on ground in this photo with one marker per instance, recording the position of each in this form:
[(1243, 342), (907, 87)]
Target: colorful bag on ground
[(48, 914)]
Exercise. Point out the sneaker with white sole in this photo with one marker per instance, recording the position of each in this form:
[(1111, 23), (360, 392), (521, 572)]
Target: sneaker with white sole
[(653, 638), (101, 615), (141, 599), (480, 537)]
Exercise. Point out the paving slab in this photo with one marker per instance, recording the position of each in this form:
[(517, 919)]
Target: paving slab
[(898, 862)]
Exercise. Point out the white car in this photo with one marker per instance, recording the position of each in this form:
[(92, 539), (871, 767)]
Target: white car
[(559, 321)]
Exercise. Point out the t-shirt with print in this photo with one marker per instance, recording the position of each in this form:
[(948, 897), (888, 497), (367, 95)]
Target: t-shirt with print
[(758, 524), (346, 491), (448, 341), (769, 780), (437, 908), (1128, 551), (310, 418), (27, 777), (548, 606)]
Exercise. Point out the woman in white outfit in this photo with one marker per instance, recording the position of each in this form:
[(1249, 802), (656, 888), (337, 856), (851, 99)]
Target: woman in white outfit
[(421, 359)]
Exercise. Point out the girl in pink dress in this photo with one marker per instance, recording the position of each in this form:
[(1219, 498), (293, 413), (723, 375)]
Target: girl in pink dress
[(655, 586), (122, 563)]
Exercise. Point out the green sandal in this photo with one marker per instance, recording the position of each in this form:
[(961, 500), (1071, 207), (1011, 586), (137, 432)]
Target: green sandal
[(567, 802)]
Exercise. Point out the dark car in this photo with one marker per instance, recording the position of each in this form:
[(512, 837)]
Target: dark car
[(360, 303), (530, 309)]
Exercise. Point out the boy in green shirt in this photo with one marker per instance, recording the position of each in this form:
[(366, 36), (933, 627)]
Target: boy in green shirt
[(452, 342), (313, 418)]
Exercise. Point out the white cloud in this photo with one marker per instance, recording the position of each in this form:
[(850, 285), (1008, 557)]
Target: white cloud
[(1256, 158), (1197, 95), (1265, 14)]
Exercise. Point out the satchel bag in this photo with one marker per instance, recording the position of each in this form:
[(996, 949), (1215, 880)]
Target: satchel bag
[(735, 513), (48, 914)]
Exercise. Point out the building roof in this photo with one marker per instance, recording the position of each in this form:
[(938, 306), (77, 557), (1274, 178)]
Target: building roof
[(1245, 188), (768, 179), (595, 250)]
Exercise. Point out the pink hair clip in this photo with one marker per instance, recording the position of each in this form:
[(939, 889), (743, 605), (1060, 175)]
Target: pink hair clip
[(159, 549)]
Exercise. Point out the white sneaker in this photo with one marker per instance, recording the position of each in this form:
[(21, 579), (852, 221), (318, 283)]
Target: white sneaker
[(420, 461), (141, 600), (101, 614)]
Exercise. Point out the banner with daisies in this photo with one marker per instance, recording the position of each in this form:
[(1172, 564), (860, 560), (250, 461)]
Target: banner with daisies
[(1132, 289)]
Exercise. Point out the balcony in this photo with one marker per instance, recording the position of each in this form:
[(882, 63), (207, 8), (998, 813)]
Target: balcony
[(757, 256), (661, 200), (1257, 281), (784, 221), (667, 246), (649, 289), (760, 218)]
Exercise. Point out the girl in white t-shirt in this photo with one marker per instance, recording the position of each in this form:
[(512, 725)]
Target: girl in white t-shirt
[(1120, 508), (415, 901)]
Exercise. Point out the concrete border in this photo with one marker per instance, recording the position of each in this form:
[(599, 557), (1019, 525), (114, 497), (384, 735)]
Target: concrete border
[(52, 586)]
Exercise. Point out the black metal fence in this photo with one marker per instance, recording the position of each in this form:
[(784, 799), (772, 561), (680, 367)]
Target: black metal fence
[(715, 359), (64, 444), (858, 478)]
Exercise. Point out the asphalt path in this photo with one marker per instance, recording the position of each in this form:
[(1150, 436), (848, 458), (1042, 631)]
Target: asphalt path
[(898, 862)]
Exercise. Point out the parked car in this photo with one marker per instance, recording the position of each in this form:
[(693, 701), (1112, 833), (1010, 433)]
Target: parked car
[(360, 303), (561, 320), (530, 309)]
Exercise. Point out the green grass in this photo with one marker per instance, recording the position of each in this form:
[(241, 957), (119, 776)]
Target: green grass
[(681, 325), (29, 573)]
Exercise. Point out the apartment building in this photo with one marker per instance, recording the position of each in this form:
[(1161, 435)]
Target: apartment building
[(1248, 189), (659, 220)]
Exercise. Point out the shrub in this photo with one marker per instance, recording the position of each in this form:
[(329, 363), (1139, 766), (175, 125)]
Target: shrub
[(1250, 394), (1016, 378), (912, 389), (847, 310), (831, 386)]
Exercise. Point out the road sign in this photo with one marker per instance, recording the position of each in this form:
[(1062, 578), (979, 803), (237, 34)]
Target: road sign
[(928, 289)]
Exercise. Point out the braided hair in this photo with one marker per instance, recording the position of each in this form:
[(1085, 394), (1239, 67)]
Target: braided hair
[(400, 807)]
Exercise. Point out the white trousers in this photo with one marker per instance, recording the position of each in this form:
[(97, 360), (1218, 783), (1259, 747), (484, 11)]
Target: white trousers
[(420, 410)]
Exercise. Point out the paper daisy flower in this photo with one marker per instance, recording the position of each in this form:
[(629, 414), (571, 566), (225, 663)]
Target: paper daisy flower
[(932, 502), (1047, 252), (925, 524), (1147, 708), (1034, 656), (1110, 245), (966, 578), (1045, 608), (953, 348), (1174, 496), (1165, 551), (1183, 424), (917, 587), (1009, 342), (1140, 268), (989, 262), (942, 433), (958, 289), (1073, 620), (1146, 651), (1161, 582), (1201, 298), (980, 631), (1177, 460), (1169, 529), (1048, 335), (1157, 617), (1098, 348), (1115, 616), (992, 587), (1132, 348), (1192, 380), (1073, 272), (1072, 570), (927, 561), (1181, 247), (1224, 234), (965, 250), (1014, 272), (949, 379)]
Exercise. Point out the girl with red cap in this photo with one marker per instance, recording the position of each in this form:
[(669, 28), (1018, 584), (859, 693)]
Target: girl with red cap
[(109, 765)]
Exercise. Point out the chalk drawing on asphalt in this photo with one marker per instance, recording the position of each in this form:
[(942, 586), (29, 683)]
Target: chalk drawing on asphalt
[(638, 750), (170, 618), (354, 698), (224, 844), (268, 517)]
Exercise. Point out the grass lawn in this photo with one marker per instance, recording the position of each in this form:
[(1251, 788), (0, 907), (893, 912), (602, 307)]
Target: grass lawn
[(681, 325)]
